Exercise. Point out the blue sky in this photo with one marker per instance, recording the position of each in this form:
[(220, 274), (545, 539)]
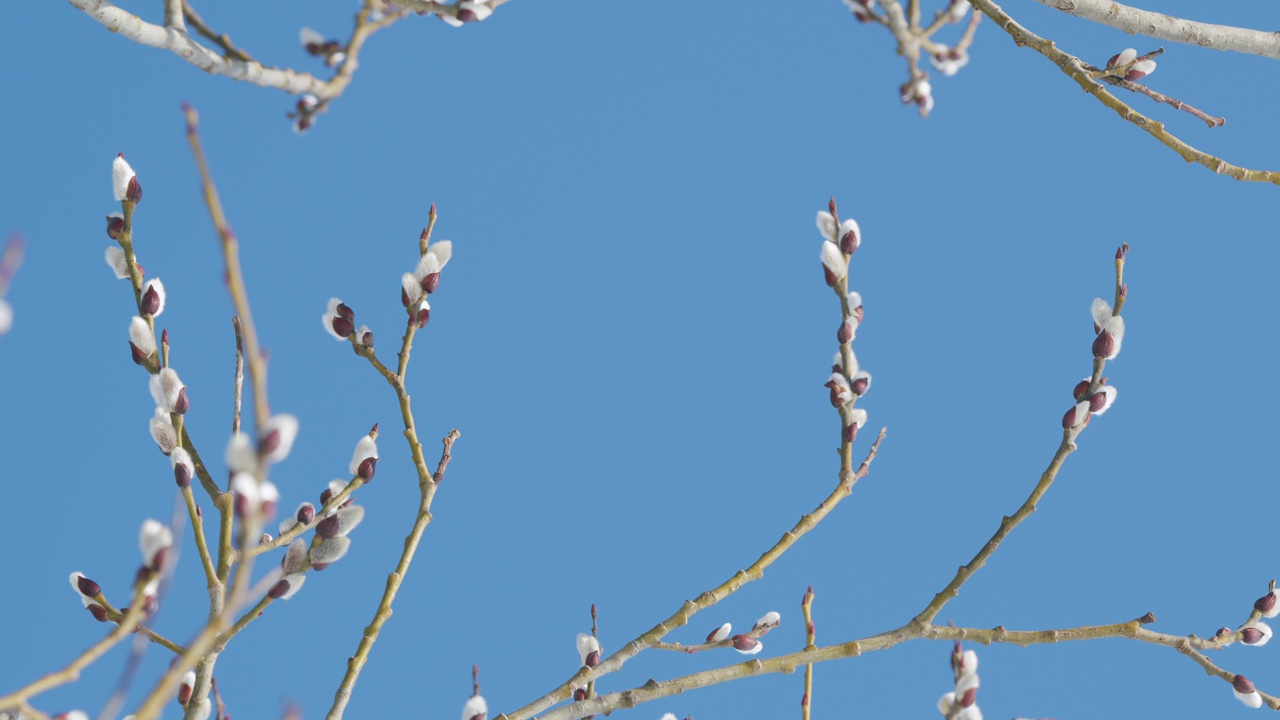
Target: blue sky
[(632, 339)]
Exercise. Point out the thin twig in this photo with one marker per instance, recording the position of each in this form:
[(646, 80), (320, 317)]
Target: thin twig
[(786, 664), (238, 390), (1209, 120), (355, 663), (707, 599), (806, 605), (71, 673), (222, 40)]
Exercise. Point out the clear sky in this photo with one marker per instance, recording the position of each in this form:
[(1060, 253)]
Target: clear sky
[(632, 339)]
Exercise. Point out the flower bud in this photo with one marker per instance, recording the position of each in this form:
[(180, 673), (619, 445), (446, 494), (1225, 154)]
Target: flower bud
[(720, 633), (115, 225), (588, 650), (1267, 605), (1245, 692), (747, 645)]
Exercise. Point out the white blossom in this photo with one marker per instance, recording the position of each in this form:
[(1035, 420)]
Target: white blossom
[(720, 633), (475, 709), (277, 436), (365, 449), (240, 455), (162, 431), (153, 538), (6, 316), (1124, 57), (121, 174), (588, 644), (834, 261), (141, 336), (769, 620), (116, 261), (166, 389)]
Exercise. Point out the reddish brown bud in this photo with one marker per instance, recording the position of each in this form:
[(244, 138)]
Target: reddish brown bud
[(845, 333), (320, 566), (1242, 684), (1081, 388), (579, 694), (157, 562), (373, 431), (1097, 401), (87, 587), (115, 226), (134, 192), (831, 207), (325, 497), (181, 476), (1122, 251), (1115, 59), (1222, 632), (1104, 345), (1124, 290), (849, 243), (1250, 635), (1266, 603), (423, 316), (278, 590), (367, 339), (366, 468), (150, 302), (969, 697), (857, 314), (342, 326), (859, 386), (1069, 420), (431, 282), (851, 433), (424, 235), (404, 297), (184, 693), (467, 15), (328, 527), (1134, 75), (346, 312), (829, 276), (183, 403), (744, 642), (306, 513), (98, 612), (593, 659)]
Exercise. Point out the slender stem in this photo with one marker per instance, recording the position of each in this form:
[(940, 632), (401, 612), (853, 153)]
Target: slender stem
[(355, 664), (235, 277), (707, 599), (806, 702), (71, 673), (202, 545), (1190, 646), (238, 388)]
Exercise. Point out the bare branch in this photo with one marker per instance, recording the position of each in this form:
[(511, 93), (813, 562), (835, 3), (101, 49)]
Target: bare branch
[(1136, 21), (180, 43)]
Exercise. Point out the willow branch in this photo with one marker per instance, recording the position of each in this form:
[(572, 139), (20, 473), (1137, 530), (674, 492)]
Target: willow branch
[(237, 64), (71, 673), (1189, 646), (707, 599), (1076, 70), (1136, 21), (427, 486), (222, 40)]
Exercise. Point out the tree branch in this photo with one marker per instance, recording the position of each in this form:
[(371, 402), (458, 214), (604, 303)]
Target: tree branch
[(1136, 21), (1076, 70)]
